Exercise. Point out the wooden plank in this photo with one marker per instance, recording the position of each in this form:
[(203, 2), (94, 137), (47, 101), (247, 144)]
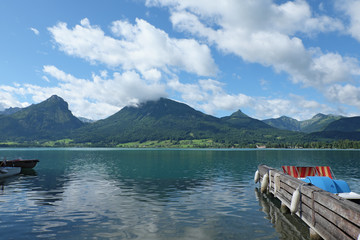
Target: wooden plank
[(320, 221), (332, 217), (335, 218), (325, 228), (342, 223), (344, 208)]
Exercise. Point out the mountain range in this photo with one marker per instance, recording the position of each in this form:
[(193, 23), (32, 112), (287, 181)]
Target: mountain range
[(166, 119), (316, 124)]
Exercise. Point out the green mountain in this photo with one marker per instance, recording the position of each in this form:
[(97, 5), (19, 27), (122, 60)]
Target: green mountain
[(10, 111), (153, 120), (47, 120), (170, 120), (317, 123), (285, 123), (166, 119), (241, 120), (350, 124), (342, 129)]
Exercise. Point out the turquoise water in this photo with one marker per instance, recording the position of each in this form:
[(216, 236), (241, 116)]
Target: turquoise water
[(154, 194)]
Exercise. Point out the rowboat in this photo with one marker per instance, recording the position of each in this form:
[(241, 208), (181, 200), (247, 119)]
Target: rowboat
[(322, 177), (23, 163), (9, 171)]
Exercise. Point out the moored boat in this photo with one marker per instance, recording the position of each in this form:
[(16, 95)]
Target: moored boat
[(23, 163), (322, 177), (9, 171)]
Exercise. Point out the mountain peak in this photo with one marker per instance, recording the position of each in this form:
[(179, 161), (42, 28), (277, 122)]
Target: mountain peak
[(285, 117), (284, 122), (240, 120), (54, 104), (163, 107), (48, 119), (239, 114), (55, 97), (319, 115)]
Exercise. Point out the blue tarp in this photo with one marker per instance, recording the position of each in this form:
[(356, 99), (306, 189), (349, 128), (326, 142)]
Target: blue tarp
[(328, 184)]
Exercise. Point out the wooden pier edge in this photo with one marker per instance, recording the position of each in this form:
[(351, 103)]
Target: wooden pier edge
[(326, 214)]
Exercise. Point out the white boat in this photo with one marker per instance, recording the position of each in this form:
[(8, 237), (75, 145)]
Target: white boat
[(9, 171)]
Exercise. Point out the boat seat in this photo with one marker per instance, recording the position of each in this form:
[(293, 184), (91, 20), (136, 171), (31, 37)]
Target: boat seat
[(299, 172), (324, 171), (291, 170), (306, 171), (303, 172)]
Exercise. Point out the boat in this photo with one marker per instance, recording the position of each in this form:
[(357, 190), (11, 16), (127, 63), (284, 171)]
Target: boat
[(9, 171), (23, 163), (324, 178)]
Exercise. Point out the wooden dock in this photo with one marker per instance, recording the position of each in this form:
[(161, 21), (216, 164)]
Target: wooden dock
[(327, 215)]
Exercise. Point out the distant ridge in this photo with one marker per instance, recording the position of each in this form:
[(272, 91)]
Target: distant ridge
[(10, 111), (170, 121), (285, 123), (50, 119), (345, 128), (166, 119), (350, 124), (162, 119), (240, 120), (317, 123)]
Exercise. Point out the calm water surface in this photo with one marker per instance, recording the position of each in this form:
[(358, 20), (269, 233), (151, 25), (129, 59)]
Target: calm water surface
[(154, 194)]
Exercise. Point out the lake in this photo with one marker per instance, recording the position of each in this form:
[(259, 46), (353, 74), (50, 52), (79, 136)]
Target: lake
[(154, 193)]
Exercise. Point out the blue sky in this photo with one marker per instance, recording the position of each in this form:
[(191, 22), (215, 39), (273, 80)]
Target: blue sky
[(268, 58)]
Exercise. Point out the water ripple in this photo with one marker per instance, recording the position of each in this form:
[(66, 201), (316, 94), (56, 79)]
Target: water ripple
[(152, 194)]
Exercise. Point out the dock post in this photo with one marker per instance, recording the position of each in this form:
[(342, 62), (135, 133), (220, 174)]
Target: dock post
[(327, 215), (314, 235)]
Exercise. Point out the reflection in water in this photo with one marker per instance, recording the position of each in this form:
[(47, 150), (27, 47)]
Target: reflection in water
[(149, 194), (289, 226), (24, 174), (134, 195), (130, 210)]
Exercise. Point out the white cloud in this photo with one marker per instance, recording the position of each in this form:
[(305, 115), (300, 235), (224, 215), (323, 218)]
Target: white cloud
[(46, 78), (8, 100), (141, 47), (93, 98), (352, 9), (332, 68), (256, 15), (35, 31), (261, 31), (209, 96), (258, 31), (295, 106), (344, 94)]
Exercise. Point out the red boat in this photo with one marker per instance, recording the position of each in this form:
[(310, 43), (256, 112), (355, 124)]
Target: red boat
[(23, 163)]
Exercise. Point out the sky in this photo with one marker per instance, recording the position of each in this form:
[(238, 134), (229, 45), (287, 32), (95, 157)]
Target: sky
[(269, 58)]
